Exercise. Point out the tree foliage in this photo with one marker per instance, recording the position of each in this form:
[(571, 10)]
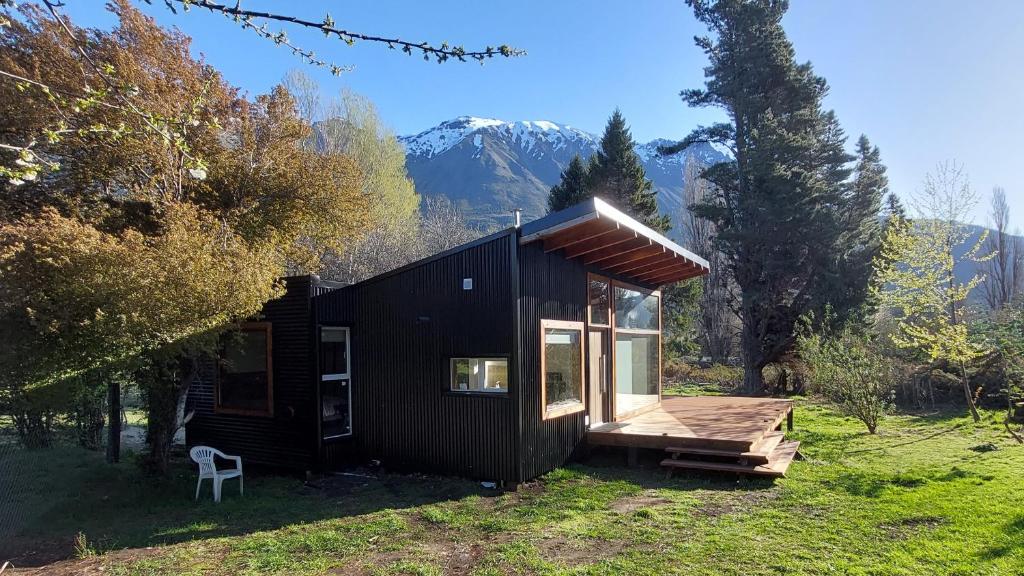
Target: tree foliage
[(573, 187), (785, 209), (173, 207), (849, 370), (617, 175), (914, 275)]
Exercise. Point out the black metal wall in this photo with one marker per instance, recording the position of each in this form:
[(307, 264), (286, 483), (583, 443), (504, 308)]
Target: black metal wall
[(288, 438), (553, 288), (405, 327)]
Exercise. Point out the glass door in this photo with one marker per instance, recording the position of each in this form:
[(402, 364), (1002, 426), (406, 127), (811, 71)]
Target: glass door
[(335, 382), (597, 376)]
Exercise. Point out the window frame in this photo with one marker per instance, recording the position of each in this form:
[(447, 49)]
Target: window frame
[(614, 337), (334, 377), (482, 391), (609, 292), (577, 407), (267, 328)]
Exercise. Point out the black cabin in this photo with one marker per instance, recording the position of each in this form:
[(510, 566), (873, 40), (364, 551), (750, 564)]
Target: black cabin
[(489, 360)]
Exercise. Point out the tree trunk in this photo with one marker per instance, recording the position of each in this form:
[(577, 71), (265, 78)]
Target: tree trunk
[(167, 386), (967, 393), (753, 361), (753, 379), (114, 421)]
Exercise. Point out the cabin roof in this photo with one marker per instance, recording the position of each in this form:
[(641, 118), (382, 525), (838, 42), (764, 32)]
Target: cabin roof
[(604, 237)]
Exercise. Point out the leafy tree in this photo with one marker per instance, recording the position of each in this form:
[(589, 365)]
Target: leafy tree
[(19, 159), (850, 371), (617, 175), (780, 205), (573, 188), (350, 125), (914, 276), (134, 252)]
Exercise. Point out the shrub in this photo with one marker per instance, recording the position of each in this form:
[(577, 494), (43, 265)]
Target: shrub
[(849, 371)]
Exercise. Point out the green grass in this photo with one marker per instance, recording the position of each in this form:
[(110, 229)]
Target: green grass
[(928, 495)]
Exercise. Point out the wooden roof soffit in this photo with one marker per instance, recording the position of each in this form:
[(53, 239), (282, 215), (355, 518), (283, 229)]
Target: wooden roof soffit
[(588, 231), (616, 237), (672, 274), (657, 259), (605, 238), (630, 249)]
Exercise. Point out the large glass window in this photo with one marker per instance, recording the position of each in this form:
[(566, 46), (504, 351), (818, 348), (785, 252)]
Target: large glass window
[(598, 296), (479, 375), (636, 309), (636, 371), (244, 382), (561, 367), (637, 349), (335, 382)]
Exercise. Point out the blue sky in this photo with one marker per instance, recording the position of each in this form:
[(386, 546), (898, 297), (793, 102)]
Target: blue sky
[(926, 80)]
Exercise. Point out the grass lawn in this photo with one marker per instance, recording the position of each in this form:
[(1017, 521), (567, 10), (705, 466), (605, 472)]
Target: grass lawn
[(930, 494)]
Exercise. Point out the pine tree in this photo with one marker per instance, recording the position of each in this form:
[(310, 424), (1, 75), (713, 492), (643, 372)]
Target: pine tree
[(573, 188), (617, 176), (847, 297), (894, 208), (780, 205)]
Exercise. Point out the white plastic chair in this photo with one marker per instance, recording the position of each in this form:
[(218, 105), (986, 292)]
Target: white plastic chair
[(204, 456)]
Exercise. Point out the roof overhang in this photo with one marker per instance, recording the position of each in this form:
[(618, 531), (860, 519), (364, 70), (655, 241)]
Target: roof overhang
[(604, 238)]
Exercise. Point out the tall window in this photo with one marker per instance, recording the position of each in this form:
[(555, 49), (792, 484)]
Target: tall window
[(637, 349), (597, 292), (479, 375), (245, 376), (561, 367), (335, 382)]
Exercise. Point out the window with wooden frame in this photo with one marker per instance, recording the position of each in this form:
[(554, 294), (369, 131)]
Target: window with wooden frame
[(245, 375), (488, 375), (561, 367), (598, 301), (637, 354)]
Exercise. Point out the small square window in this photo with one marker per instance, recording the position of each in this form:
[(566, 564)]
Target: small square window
[(479, 375)]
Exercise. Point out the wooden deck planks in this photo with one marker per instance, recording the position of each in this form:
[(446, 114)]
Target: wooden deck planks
[(727, 423)]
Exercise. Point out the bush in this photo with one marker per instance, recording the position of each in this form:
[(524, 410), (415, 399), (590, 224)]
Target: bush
[(849, 371)]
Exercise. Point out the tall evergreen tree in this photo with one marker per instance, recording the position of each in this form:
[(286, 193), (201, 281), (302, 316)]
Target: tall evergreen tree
[(779, 205), (861, 238), (573, 188), (618, 176)]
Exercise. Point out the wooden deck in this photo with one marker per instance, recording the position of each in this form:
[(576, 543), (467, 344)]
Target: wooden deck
[(727, 424)]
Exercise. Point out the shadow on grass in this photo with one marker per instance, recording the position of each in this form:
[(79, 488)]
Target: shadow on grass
[(1013, 536), (50, 496), (873, 484), (610, 464)]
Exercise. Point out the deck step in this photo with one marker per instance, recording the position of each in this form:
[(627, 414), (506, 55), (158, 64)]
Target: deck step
[(758, 454), (778, 462)]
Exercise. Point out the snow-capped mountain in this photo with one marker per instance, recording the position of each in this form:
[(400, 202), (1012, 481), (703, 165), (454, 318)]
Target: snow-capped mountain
[(488, 167)]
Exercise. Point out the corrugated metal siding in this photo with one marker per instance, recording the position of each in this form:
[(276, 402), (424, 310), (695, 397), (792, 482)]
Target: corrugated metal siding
[(405, 327), (288, 439), (554, 288)]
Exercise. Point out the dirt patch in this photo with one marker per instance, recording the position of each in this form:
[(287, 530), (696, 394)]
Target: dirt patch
[(733, 502), (632, 503), (907, 527), (93, 566), (575, 552)]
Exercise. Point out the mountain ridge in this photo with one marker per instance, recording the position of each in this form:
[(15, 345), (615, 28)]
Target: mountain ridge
[(489, 167)]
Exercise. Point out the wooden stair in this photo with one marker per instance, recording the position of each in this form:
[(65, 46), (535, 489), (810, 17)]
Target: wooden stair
[(770, 456)]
